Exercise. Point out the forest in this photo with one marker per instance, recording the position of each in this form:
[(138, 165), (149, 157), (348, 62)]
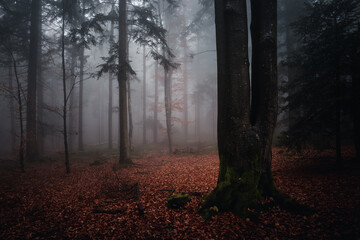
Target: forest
[(180, 119)]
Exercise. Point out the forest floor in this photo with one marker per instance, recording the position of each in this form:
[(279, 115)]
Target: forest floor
[(99, 200)]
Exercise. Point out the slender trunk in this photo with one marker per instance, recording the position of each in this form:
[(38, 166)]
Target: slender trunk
[(167, 85), (124, 156), (67, 163), (21, 118), (31, 145), (110, 107), (185, 94), (40, 96), (81, 90), (12, 109), (156, 102), (197, 115), (167, 82), (144, 95), (131, 127), (72, 101)]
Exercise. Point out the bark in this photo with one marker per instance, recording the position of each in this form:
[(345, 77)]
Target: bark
[(110, 106), (40, 96), (167, 86), (81, 90), (197, 115), (31, 145), (185, 95), (12, 109), (131, 127), (21, 118), (156, 102), (245, 134), (124, 156), (167, 83), (72, 101), (64, 114), (144, 95)]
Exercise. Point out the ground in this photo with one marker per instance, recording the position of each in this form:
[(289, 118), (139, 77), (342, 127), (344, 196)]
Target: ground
[(100, 200)]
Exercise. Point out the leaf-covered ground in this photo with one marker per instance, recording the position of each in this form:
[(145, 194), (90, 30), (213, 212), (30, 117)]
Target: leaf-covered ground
[(100, 201)]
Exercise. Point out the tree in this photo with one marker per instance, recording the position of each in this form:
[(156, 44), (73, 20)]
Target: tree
[(31, 145), (324, 91), (124, 156), (110, 106), (245, 130)]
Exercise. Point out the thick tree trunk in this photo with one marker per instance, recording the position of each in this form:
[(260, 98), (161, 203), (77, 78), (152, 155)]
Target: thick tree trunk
[(110, 106), (144, 95), (124, 156), (156, 102), (31, 145), (244, 133)]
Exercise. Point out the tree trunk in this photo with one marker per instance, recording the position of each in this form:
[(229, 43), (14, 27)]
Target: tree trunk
[(110, 107), (12, 109), (144, 95), (167, 86), (67, 163), (31, 145), (21, 118), (131, 126), (185, 94), (129, 104), (156, 102), (81, 90), (72, 101), (244, 133), (124, 156), (40, 97)]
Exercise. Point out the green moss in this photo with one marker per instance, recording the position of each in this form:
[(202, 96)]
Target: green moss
[(178, 200)]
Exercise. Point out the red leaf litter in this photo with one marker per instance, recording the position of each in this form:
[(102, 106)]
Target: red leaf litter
[(101, 201)]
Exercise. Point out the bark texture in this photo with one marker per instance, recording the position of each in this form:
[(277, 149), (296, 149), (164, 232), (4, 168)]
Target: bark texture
[(244, 132), (110, 106), (31, 145), (124, 156)]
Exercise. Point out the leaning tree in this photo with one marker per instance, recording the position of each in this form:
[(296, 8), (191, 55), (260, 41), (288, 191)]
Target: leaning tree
[(247, 111)]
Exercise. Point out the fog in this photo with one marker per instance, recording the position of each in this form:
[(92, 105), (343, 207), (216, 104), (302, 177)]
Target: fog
[(199, 54)]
